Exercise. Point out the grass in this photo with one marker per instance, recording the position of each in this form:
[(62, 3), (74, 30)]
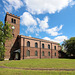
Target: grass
[(41, 63), (29, 72), (38, 63)]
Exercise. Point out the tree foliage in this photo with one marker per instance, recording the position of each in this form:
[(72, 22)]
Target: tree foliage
[(70, 46), (5, 34)]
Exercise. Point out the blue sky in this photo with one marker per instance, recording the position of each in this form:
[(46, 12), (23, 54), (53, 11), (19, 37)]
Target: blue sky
[(52, 20)]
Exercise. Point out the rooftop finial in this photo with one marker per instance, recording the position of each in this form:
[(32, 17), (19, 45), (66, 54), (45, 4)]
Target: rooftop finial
[(7, 12)]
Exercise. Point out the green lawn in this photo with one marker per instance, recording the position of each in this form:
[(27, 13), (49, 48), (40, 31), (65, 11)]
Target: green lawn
[(38, 63), (41, 63), (29, 72)]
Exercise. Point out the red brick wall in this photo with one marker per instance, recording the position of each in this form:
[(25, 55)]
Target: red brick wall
[(32, 49), (12, 44)]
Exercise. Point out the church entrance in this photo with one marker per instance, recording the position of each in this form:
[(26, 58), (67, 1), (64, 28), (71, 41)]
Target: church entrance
[(17, 54)]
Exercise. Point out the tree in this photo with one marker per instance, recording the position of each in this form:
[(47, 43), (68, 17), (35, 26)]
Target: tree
[(70, 46), (5, 34)]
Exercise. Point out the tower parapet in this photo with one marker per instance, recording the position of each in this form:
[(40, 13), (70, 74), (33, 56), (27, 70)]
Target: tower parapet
[(12, 15)]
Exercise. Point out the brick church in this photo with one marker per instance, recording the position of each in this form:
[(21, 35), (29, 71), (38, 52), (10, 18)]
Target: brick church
[(24, 47)]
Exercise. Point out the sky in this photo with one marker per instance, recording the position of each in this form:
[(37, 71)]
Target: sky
[(52, 20)]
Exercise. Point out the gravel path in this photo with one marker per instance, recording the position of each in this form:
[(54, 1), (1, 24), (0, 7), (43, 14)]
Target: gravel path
[(38, 68)]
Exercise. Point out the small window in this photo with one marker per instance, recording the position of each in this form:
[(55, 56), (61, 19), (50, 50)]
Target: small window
[(55, 47), (42, 53), (14, 21), (48, 46), (36, 53), (48, 53), (36, 45), (55, 54), (28, 44), (42, 45)]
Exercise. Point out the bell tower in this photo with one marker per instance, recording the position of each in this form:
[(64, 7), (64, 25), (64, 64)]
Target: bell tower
[(11, 45), (15, 22)]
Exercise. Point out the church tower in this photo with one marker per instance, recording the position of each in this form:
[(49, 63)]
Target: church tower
[(12, 44)]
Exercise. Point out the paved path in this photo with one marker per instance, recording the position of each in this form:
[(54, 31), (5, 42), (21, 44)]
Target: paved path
[(38, 68)]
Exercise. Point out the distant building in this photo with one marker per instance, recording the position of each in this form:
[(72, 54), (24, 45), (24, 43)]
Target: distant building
[(24, 47)]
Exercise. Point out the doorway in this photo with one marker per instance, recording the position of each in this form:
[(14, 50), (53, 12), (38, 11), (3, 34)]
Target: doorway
[(17, 56)]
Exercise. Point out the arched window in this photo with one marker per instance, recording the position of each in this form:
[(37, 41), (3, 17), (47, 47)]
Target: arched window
[(55, 47), (55, 54), (36, 45), (42, 45), (42, 53), (48, 53), (12, 20), (28, 44), (36, 53), (28, 53), (48, 46)]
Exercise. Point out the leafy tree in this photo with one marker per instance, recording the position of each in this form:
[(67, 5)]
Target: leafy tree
[(5, 34), (70, 46)]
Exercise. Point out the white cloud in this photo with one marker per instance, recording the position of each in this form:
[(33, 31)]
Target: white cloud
[(54, 31), (72, 3), (30, 29), (7, 8), (60, 27), (36, 25), (43, 24), (58, 39), (46, 6), (10, 4), (27, 19), (37, 34), (47, 38)]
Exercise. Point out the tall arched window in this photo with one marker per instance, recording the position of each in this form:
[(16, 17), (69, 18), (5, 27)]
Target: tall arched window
[(28, 53), (12, 20), (55, 47), (48, 53), (36, 45), (42, 53), (28, 44), (42, 45), (55, 54), (48, 46), (36, 53)]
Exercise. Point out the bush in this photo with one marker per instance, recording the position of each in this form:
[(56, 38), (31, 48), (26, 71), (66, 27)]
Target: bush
[(1, 59)]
